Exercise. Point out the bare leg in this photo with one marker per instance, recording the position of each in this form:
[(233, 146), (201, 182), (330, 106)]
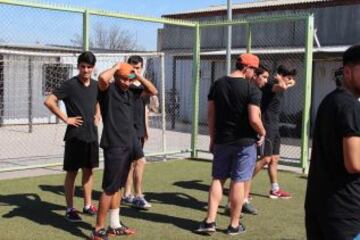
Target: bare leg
[(115, 201), (236, 199), (247, 188), (87, 182), (138, 176), (215, 195), (129, 181), (264, 160), (272, 170), (69, 188), (104, 205)]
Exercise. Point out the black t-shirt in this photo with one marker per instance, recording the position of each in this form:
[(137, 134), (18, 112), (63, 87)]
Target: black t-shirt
[(79, 101), (117, 110), (271, 104), (232, 97), (331, 189), (139, 110)]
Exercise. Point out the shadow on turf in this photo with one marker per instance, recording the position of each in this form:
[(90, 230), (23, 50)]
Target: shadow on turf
[(59, 189), (183, 223), (31, 207), (176, 199)]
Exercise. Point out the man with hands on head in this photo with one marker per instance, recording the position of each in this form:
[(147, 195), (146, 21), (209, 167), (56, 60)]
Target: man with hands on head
[(119, 142)]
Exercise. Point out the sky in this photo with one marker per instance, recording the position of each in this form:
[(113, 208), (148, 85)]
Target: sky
[(154, 8), (29, 26)]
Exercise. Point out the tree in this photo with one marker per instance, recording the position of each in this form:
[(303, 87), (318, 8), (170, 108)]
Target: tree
[(113, 38)]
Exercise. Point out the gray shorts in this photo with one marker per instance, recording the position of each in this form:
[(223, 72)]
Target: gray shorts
[(234, 161)]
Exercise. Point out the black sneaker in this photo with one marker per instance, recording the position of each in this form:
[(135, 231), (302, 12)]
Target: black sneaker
[(206, 227), (248, 208), (99, 235), (72, 216), (92, 210), (235, 231)]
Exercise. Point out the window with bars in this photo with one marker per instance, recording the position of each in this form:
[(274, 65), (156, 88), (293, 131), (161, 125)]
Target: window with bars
[(53, 75)]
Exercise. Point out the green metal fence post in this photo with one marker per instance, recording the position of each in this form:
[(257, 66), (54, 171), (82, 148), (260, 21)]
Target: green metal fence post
[(248, 38), (86, 30), (196, 89), (305, 131)]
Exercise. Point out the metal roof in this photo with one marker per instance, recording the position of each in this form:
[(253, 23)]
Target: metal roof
[(260, 51), (249, 5)]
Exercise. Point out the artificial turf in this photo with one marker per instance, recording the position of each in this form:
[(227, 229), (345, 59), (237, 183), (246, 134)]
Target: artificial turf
[(33, 208)]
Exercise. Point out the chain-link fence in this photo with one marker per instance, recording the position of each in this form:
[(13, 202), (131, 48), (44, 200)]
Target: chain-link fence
[(38, 51), (40, 43), (280, 42)]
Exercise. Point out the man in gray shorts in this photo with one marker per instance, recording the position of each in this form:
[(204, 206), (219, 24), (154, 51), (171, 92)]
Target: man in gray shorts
[(235, 127)]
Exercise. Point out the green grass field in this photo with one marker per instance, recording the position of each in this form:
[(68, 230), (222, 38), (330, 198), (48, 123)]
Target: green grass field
[(33, 208)]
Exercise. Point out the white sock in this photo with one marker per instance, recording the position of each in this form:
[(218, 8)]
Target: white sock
[(88, 206), (246, 200), (275, 187), (114, 218)]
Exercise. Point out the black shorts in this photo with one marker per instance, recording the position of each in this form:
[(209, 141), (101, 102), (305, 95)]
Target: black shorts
[(271, 144), (321, 227), (137, 151), (117, 162), (79, 154)]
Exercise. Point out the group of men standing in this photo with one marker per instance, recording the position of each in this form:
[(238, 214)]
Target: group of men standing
[(243, 117), (243, 114), (118, 98)]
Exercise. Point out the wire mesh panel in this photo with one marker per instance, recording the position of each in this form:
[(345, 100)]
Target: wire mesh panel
[(29, 133), (38, 27), (276, 43), (38, 51)]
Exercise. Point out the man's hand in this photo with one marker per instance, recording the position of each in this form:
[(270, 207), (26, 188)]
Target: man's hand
[(74, 121), (97, 119), (211, 147), (261, 140)]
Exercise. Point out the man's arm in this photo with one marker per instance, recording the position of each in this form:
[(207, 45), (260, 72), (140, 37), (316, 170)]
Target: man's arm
[(106, 76), (149, 88), (256, 123), (211, 123), (282, 86), (51, 102), (351, 151), (97, 117)]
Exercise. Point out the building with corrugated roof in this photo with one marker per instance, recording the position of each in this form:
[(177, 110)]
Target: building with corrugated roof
[(337, 26)]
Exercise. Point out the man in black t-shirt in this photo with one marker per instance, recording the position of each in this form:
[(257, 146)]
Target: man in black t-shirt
[(271, 106), (137, 167), (332, 204), (234, 127), (119, 141), (80, 95)]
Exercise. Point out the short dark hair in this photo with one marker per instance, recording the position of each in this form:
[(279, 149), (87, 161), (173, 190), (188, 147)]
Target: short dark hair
[(339, 76), (239, 65), (285, 71), (262, 68), (135, 59), (87, 57), (352, 55)]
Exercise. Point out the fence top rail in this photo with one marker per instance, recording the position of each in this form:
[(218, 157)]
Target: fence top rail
[(68, 54), (67, 8), (260, 19)]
